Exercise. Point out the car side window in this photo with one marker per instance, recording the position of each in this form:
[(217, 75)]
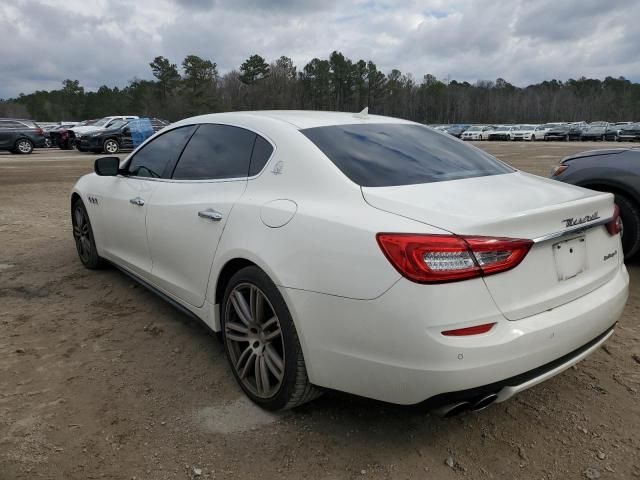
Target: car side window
[(262, 151), (157, 157), (11, 124), (216, 152)]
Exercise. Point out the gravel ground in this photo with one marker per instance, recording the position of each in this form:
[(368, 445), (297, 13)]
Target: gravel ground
[(101, 379)]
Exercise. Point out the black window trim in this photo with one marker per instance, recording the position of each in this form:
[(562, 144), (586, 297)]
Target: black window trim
[(206, 180)]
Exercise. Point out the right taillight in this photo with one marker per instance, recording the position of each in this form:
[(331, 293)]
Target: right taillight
[(614, 226), (450, 258)]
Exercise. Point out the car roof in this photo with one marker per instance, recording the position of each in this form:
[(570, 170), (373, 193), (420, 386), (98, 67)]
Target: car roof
[(300, 119)]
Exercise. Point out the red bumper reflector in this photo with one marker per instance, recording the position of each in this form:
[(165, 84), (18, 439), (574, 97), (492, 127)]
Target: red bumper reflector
[(463, 332)]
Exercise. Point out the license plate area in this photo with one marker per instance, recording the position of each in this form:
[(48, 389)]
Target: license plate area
[(570, 257)]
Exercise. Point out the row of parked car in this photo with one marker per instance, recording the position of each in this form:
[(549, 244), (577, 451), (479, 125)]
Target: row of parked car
[(109, 134), (620, 131), (113, 134)]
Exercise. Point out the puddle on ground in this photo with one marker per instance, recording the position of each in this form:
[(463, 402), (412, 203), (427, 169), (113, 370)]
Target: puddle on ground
[(239, 415)]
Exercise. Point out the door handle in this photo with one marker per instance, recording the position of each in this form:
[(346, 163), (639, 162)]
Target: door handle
[(210, 214), (137, 201)]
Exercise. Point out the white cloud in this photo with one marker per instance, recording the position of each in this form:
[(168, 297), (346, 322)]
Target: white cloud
[(112, 41)]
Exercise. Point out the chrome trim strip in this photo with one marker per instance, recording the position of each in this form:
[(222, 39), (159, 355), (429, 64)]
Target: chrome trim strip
[(571, 231)]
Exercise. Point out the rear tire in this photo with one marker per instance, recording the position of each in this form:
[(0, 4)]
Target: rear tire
[(630, 214), (23, 146), (250, 348)]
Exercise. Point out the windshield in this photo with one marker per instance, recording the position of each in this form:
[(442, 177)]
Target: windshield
[(475, 129), (502, 129), (102, 121), (117, 124), (527, 127), (383, 155)]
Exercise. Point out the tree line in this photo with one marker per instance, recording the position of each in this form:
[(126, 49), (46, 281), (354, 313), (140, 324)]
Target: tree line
[(336, 83)]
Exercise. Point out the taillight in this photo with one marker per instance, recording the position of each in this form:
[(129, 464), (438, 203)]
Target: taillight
[(614, 226), (450, 258), (39, 131), (558, 169)]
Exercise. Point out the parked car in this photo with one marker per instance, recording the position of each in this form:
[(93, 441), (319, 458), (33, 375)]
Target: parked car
[(94, 125), (121, 135), (561, 132), (406, 222), (595, 131), (54, 134), (457, 130), (629, 133), (612, 170), (487, 133), (64, 138), (502, 133), (574, 133), (21, 136), (523, 132), (475, 132)]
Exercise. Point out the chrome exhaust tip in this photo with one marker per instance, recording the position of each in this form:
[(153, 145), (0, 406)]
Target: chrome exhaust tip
[(484, 402), (453, 409)]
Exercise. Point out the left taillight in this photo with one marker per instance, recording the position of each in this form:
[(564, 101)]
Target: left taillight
[(39, 132), (614, 226), (558, 169), (450, 258)]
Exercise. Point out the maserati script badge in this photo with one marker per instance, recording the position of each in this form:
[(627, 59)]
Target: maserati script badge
[(572, 222)]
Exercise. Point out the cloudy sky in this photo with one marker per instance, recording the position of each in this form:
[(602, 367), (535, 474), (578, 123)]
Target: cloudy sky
[(110, 42)]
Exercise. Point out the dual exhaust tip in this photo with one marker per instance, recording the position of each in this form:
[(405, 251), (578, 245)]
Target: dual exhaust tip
[(457, 408)]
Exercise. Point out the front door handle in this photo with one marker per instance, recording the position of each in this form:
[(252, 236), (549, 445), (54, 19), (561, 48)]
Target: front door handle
[(137, 201), (210, 214)]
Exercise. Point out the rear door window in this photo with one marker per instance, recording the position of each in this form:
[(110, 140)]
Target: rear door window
[(216, 152), (262, 151), (156, 158), (382, 155)]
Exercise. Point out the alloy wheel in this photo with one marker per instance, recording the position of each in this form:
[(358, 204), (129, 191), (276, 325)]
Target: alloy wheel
[(254, 340), (24, 146), (81, 233), (111, 146)]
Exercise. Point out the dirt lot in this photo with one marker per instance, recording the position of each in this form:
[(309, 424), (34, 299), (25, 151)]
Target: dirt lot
[(101, 379)]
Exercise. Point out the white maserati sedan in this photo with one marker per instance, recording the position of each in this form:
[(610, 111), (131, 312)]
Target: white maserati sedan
[(359, 253)]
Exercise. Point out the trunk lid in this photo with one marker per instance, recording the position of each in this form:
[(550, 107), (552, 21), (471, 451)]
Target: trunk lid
[(519, 205)]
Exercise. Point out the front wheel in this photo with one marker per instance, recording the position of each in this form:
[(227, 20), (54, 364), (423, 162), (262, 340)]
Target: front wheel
[(111, 146), (262, 344), (83, 236)]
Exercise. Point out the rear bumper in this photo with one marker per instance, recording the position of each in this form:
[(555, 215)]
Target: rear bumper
[(391, 348), (40, 142)]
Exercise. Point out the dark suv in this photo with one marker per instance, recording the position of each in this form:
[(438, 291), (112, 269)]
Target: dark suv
[(20, 136), (120, 135)]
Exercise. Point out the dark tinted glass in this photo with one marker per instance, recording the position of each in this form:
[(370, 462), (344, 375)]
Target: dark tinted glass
[(164, 150), (214, 152), (262, 150), (381, 155), (12, 124)]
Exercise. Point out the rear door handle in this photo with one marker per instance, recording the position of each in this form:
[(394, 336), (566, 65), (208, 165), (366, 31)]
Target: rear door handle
[(210, 214), (137, 201)]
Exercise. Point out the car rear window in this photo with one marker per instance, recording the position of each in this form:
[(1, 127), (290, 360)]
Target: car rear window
[(383, 155)]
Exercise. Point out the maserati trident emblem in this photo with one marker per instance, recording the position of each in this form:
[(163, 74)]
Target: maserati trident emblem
[(572, 222)]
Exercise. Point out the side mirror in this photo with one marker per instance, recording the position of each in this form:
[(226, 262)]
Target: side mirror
[(107, 166)]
